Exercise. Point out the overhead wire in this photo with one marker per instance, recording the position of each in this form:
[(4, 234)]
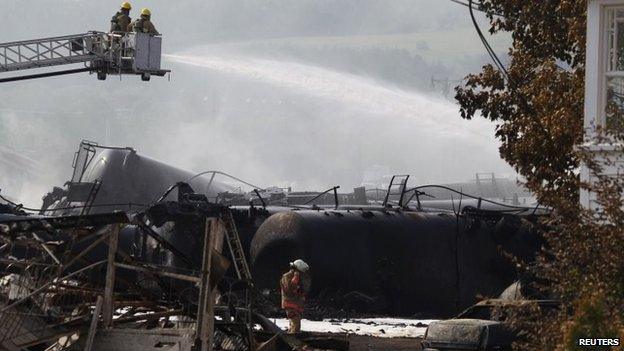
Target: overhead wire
[(225, 174), (484, 40), (486, 44), (174, 186), (471, 196), (512, 85), (511, 208), (488, 47), (475, 7)]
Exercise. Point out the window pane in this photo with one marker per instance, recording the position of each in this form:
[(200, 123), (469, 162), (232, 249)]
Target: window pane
[(619, 49), (615, 39), (610, 35), (615, 104)]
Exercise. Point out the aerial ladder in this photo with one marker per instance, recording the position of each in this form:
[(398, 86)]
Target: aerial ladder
[(99, 53)]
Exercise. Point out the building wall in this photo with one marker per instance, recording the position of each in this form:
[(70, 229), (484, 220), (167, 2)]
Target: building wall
[(596, 94)]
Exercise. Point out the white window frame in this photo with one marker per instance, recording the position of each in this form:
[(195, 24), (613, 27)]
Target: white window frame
[(605, 51), (597, 57), (596, 85)]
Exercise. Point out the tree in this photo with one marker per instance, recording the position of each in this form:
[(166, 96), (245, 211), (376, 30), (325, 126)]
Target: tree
[(538, 105), (537, 100)]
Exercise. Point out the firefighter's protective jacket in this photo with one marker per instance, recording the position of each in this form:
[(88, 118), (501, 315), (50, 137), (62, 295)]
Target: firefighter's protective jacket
[(295, 286), (120, 22), (143, 25)]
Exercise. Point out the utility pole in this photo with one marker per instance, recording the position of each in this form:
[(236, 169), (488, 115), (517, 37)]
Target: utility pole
[(444, 85)]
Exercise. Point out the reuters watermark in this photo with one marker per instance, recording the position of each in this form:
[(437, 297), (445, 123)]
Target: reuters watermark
[(589, 342)]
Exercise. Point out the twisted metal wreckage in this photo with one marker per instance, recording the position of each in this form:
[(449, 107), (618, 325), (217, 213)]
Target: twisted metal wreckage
[(119, 259)]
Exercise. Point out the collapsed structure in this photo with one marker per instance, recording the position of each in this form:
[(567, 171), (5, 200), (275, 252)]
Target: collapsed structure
[(142, 244), (110, 281)]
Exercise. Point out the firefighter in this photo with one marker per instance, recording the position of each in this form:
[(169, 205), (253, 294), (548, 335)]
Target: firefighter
[(295, 285), (121, 20), (143, 24)]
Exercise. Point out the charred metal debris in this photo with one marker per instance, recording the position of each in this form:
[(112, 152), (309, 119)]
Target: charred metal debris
[(134, 254), (112, 281)]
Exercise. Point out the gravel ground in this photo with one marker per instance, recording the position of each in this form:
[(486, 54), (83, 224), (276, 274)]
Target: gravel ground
[(370, 343)]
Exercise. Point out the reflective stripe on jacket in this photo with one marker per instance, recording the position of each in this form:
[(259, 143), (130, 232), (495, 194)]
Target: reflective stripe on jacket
[(294, 286)]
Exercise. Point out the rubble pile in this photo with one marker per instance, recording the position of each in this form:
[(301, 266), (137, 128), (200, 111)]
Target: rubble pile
[(80, 282)]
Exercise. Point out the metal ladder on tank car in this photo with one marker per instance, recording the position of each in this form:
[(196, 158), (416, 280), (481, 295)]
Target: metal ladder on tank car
[(236, 247), (400, 182), (95, 189), (242, 269)]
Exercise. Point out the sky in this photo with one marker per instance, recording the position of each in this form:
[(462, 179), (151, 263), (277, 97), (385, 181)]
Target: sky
[(307, 94)]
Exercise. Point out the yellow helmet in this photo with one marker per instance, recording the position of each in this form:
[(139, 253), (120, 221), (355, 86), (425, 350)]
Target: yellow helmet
[(126, 6), (146, 12)]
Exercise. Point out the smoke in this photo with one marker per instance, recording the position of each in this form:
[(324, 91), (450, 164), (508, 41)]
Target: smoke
[(279, 121), (22, 178), (269, 121)]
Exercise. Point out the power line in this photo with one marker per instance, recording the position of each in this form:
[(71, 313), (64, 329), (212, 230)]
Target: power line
[(512, 84), (488, 48), (520, 208), (475, 7), (485, 42), (445, 85), (465, 4), (224, 174), (214, 173)]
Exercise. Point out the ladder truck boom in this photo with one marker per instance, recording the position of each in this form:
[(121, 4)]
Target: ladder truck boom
[(99, 52)]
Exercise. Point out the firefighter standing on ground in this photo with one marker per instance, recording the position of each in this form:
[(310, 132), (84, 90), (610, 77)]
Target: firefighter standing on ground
[(143, 24), (121, 20), (295, 285)]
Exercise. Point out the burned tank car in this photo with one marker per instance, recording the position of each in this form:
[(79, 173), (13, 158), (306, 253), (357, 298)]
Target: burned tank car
[(129, 178), (411, 262)]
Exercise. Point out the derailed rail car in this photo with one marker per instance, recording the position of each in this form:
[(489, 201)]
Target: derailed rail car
[(112, 178), (413, 262)]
